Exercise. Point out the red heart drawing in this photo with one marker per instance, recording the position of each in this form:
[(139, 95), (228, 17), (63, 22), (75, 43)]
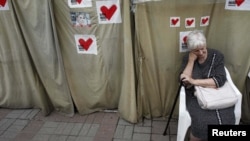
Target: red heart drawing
[(108, 12), (85, 44), (174, 21), (185, 39), (189, 22), (2, 3), (239, 2), (79, 1), (204, 20)]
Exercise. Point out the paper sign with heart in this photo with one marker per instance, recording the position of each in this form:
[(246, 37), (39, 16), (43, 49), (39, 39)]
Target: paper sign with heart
[(174, 21), (3, 2), (241, 5), (79, 3), (204, 21), (183, 41), (109, 11), (4, 5), (189, 22), (239, 2), (86, 44)]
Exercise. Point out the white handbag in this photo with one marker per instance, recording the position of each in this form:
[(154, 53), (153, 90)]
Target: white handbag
[(216, 98), (219, 98)]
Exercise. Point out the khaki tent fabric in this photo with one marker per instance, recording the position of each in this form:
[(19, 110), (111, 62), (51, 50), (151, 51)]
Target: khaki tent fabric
[(158, 53), (137, 64), (41, 68), (32, 73), (102, 81)]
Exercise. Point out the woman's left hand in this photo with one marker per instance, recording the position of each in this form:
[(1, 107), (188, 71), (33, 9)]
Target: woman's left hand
[(186, 79)]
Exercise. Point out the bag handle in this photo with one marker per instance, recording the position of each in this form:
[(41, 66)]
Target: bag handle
[(210, 69)]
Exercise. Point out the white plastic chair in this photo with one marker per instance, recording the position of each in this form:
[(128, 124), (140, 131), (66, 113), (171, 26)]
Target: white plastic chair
[(184, 120)]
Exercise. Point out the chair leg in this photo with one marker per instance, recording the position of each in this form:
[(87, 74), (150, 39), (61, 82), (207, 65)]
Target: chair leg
[(187, 137)]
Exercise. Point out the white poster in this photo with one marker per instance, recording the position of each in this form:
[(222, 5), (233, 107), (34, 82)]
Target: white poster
[(79, 3), (190, 22), (237, 5), (86, 44), (183, 41), (175, 21), (4, 5), (108, 11), (205, 21)]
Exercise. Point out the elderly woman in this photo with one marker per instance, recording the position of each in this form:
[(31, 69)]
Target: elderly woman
[(196, 71)]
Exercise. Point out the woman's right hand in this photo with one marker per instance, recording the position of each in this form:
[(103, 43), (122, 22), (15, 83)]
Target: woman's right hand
[(192, 56)]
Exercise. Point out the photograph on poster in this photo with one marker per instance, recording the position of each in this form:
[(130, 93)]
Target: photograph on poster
[(80, 19), (183, 41)]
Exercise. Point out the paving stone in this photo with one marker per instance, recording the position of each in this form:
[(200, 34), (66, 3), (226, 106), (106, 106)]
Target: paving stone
[(98, 118), (6, 123), (93, 130), (76, 129), (119, 131), (68, 129), (85, 129), (41, 137), (158, 137), (106, 131), (32, 125), (58, 138), (9, 134), (82, 138), (173, 128), (128, 133), (15, 114), (24, 136), (72, 138), (139, 129), (90, 118), (25, 114), (33, 113), (78, 118), (15, 128), (141, 137), (124, 122), (51, 124), (158, 127), (60, 128), (47, 130)]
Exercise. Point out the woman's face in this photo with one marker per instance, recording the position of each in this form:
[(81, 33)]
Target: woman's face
[(200, 52), (80, 19)]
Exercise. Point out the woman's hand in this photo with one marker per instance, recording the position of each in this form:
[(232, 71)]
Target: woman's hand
[(186, 79), (192, 56)]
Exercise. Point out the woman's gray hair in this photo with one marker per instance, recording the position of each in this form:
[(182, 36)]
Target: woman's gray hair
[(196, 39)]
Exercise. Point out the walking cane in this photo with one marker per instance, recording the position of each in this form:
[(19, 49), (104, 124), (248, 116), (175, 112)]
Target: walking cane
[(176, 98)]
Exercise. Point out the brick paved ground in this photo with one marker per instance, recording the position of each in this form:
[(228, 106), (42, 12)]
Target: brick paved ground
[(31, 125)]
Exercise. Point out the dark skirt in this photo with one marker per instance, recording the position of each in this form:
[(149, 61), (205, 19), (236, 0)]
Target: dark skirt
[(202, 118)]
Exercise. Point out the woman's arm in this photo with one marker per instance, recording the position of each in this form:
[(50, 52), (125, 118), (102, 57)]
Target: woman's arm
[(209, 82)]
